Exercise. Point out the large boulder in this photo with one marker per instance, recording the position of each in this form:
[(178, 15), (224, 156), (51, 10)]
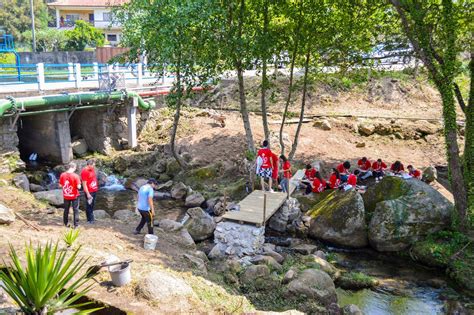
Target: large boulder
[(288, 213), (398, 221), (21, 181), (179, 191), (200, 225), (366, 129), (36, 188), (258, 277), (430, 174), (339, 218), (161, 286), (313, 284), (125, 215), (194, 200), (6, 215), (79, 147), (53, 197), (101, 214), (136, 184)]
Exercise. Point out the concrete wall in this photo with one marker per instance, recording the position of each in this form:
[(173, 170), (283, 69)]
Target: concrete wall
[(8, 137), (47, 135), (59, 57)]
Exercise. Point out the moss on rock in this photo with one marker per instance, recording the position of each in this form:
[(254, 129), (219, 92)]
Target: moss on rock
[(389, 188), (355, 281)]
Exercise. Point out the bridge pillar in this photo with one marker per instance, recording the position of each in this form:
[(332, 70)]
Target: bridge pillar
[(77, 70), (40, 74), (132, 124)]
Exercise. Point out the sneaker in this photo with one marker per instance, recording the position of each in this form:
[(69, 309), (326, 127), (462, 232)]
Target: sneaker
[(91, 222), (271, 190), (136, 232)]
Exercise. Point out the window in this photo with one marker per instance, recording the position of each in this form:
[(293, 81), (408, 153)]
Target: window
[(107, 16), (112, 37), (72, 17)]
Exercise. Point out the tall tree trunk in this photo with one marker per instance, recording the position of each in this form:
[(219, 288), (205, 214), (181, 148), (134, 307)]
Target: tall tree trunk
[(303, 103), (288, 99), (263, 101), (469, 143), (243, 108), (177, 115)]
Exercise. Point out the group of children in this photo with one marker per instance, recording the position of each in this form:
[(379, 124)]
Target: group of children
[(340, 178)]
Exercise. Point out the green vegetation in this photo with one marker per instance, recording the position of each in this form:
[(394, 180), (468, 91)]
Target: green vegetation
[(83, 35), (70, 236), (355, 281), (48, 39), (49, 283)]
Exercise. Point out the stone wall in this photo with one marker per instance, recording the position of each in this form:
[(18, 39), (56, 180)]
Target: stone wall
[(238, 239), (9, 154)]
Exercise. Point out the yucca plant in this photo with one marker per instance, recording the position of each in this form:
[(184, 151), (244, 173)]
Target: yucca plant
[(46, 285), (70, 236)]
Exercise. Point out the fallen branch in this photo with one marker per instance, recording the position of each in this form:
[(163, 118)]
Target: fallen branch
[(460, 251), (32, 225)]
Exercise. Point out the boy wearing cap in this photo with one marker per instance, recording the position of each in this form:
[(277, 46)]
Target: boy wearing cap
[(145, 206)]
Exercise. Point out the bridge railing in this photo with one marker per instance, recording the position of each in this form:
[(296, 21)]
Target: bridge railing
[(44, 76)]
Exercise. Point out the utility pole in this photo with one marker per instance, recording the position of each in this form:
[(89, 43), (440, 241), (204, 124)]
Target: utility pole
[(33, 25)]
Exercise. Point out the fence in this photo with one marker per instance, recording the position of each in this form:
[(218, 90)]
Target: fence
[(43, 76)]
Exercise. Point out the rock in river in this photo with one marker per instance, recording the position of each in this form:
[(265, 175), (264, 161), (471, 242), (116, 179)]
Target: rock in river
[(313, 284), (403, 212), (339, 218), (194, 200), (53, 197)]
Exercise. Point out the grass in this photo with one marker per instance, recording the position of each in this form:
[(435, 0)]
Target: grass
[(355, 281), (70, 236)]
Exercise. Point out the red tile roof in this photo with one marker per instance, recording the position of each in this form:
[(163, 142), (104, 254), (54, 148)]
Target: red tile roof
[(88, 3)]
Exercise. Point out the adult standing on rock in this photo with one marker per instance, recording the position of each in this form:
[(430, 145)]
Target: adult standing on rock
[(265, 165), (145, 206), (70, 184), (89, 182)]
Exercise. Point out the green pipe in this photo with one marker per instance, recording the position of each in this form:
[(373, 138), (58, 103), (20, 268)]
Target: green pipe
[(71, 99), (58, 110)]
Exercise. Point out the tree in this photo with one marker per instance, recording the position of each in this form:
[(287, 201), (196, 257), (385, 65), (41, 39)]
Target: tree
[(15, 17), (178, 35), (434, 32), (83, 35), (48, 39)]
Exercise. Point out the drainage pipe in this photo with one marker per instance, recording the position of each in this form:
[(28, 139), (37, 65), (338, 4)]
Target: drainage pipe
[(70, 99)]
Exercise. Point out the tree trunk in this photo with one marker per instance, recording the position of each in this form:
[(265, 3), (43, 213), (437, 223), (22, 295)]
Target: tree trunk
[(263, 100), (469, 143), (288, 100), (177, 115), (303, 103), (243, 108)]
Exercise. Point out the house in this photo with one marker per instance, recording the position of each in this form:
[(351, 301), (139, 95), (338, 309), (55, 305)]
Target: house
[(96, 12)]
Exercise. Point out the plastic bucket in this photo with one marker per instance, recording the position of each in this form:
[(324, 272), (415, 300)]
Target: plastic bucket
[(150, 241), (120, 274)]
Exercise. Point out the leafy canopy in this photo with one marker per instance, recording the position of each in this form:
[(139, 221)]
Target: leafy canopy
[(84, 35)]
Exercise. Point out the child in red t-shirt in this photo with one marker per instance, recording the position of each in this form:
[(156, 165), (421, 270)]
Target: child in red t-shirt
[(379, 168), (286, 172), (265, 165), (309, 175), (397, 168), (334, 179), (364, 166), (414, 172), (319, 184), (70, 184), (344, 170)]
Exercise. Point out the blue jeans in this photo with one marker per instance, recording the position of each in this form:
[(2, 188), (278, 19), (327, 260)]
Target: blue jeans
[(285, 185), (90, 208), (344, 178)]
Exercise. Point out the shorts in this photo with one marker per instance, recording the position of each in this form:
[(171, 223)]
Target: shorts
[(265, 172)]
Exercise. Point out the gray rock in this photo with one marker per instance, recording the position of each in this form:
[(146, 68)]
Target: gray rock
[(429, 174), (410, 212), (138, 183), (101, 214), (179, 191), (324, 265), (258, 277), (194, 200), (320, 254), (279, 258), (313, 284), (216, 253), (322, 124), (305, 249), (36, 188), (7, 216), (289, 276), (166, 185), (79, 147), (21, 181), (287, 214), (196, 263), (161, 286), (266, 260), (339, 218), (366, 129), (200, 224), (424, 128), (170, 225), (125, 215), (351, 309), (53, 197)]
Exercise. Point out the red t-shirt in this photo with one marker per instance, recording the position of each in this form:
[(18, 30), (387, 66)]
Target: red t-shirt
[(416, 174), (340, 168), (379, 166), (309, 174), (364, 166), (319, 186), (334, 182), (352, 180), (392, 168), (88, 175), (275, 166), (266, 155), (69, 183), (287, 166)]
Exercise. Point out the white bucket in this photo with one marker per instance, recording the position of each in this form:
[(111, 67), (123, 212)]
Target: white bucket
[(120, 274), (150, 241)]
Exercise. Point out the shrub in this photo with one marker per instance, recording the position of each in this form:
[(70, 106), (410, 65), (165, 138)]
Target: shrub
[(70, 236)]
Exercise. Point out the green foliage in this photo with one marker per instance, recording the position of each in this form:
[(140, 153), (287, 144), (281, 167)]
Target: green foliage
[(440, 247), (15, 17), (83, 35), (46, 284), (7, 59), (48, 39), (250, 155), (70, 236)]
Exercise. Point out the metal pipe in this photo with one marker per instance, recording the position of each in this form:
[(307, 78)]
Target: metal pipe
[(71, 99), (59, 110)]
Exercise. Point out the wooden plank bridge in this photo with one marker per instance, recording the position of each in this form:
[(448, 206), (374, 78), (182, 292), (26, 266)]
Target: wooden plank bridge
[(258, 207)]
